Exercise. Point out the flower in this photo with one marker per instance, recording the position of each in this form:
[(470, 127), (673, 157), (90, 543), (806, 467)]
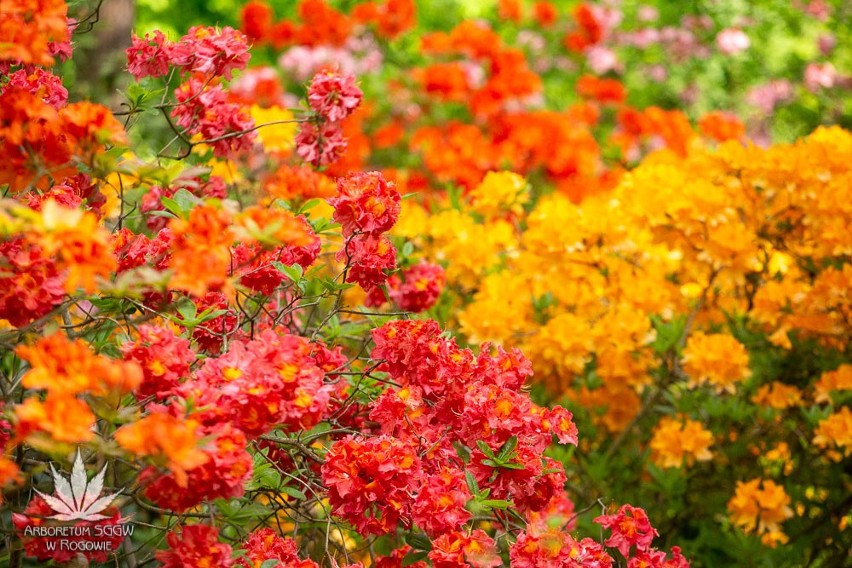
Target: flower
[(454, 549), (28, 27), (760, 506), (369, 258), (630, 527), (676, 441), (370, 481), (149, 56), (719, 360), (65, 367), (440, 504), (166, 437), (778, 395), (333, 95), (838, 380), (835, 433), (62, 417), (263, 544), (365, 203), (731, 41), (195, 545)]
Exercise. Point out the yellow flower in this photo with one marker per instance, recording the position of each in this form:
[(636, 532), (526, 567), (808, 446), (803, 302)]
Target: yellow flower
[(279, 136), (500, 193), (837, 380), (778, 395), (835, 433), (717, 359), (761, 510), (677, 441)]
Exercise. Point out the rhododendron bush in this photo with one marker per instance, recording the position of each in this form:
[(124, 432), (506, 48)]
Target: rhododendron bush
[(375, 284)]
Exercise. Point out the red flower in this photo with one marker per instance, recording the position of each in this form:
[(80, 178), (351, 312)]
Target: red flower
[(211, 51), (269, 381), (458, 550), (630, 527), (557, 548), (440, 502), (370, 482), (657, 559), (417, 290), (41, 83), (334, 96), (365, 203), (222, 476), (149, 56), (195, 545), (31, 285), (370, 258), (264, 544), (256, 18), (320, 145), (164, 358), (204, 110)]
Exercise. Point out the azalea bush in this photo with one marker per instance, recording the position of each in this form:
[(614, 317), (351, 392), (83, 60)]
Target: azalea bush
[(377, 284)]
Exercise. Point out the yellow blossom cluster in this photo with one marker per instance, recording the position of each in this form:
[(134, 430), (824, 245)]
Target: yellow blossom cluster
[(760, 506), (834, 434), (757, 234), (677, 441)]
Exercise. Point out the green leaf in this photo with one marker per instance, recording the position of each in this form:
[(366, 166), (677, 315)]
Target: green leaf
[(507, 449), (293, 492), (496, 503), (485, 449), (418, 541), (472, 485), (413, 557)]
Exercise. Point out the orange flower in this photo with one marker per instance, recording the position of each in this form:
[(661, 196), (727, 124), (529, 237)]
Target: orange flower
[(165, 437), (302, 182), (837, 380), (721, 126), (602, 90), (63, 418), (9, 473), (80, 243), (63, 367), (29, 26), (511, 10), (778, 395), (273, 227), (545, 13), (201, 257)]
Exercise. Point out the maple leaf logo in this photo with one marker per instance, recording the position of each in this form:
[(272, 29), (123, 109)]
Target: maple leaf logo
[(77, 498)]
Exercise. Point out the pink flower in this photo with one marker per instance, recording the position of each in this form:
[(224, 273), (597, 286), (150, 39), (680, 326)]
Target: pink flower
[(205, 110), (334, 96), (767, 96), (601, 59), (211, 51), (731, 41), (320, 145), (41, 83), (820, 76), (630, 527), (149, 57)]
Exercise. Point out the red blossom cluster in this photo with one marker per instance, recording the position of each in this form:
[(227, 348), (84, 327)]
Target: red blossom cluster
[(366, 206), (333, 97), (414, 289), (448, 398), (203, 57)]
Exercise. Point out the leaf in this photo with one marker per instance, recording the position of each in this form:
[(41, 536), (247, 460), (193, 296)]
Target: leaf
[(418, 541), (496, 503), (414, 557), (507, 449), (472, 485), (271, 563), (293, 492), (485, 449)]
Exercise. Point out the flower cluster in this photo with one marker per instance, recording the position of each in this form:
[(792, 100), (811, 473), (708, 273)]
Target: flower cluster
[(333, 97)]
